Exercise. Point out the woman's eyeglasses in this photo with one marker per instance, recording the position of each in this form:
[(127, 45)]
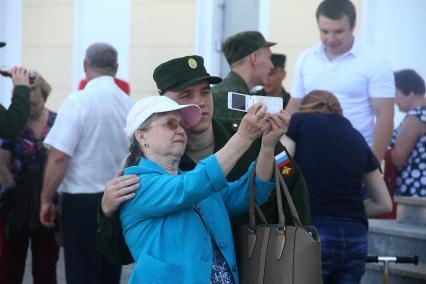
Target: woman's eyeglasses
[(171, 124)]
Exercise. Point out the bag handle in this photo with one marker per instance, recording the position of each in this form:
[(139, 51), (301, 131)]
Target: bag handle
[(251, 241), (293, 210), (254, 207)]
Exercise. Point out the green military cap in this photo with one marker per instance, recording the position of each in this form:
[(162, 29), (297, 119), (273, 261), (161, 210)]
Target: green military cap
[(179, 73), (242, 44), (278, 59)]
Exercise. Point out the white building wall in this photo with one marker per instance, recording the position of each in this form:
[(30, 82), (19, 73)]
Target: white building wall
[(396, 28), (47, 44), (10, 32), (160, 30), (101, 21), (209, 33)]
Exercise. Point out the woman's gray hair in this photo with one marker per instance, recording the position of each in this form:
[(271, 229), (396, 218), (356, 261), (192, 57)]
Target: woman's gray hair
[(135, 153), (102, 58)]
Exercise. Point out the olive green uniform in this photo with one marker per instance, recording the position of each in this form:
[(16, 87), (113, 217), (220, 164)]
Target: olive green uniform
[(109, 232), (232, 83), (14, 119), (284, 94)]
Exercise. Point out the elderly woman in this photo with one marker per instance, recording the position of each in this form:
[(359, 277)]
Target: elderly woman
[(409, 139), (21, 171), (336, 160), (177, 227)]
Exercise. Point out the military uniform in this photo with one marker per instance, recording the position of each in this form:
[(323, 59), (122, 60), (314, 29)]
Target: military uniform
[(284, 94), (14, 119), (232, 83), (278, 60), (235, 48), (184, 72)]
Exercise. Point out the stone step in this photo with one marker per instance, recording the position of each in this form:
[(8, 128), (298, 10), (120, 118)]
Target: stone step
[(391, 238), (411, 210), (398, 273)]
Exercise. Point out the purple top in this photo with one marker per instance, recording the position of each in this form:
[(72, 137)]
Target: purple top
[(26, 147)]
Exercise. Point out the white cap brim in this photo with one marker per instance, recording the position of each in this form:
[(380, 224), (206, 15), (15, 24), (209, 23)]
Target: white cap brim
[(148, 106)]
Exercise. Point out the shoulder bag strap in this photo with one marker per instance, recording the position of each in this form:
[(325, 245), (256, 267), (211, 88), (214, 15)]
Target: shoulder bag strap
[(253, 207), (287, 195)]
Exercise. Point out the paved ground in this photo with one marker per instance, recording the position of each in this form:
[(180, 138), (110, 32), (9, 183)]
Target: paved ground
[(125, 274)]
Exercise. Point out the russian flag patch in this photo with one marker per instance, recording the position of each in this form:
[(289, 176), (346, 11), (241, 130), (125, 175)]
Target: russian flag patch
[(282, 159)]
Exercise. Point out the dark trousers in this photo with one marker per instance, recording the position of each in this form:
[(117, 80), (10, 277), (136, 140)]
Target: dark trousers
[(84, 263), (13, 253)]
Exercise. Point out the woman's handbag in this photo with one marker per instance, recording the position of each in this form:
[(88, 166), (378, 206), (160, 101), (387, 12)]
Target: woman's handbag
[(389, 175), (275, 253)]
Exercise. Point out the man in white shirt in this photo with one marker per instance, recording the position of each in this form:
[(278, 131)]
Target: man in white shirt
[(360, 78), (87, 145)]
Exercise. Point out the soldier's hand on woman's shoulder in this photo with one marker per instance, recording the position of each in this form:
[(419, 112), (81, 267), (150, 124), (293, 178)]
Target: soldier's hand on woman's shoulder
[(121, 188)]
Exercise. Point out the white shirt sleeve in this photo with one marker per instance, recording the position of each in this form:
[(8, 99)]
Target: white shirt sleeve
[(381, 80), (65, 133), (298, 87)]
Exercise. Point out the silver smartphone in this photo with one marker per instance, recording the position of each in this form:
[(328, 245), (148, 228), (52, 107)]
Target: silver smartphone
[(242, 102)]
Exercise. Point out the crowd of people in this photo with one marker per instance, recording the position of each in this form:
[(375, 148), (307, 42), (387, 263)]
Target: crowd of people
[(163, 182)]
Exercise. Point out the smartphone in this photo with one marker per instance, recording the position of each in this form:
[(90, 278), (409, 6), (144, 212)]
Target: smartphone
[(242, 102), (32, 76), (5, 73)]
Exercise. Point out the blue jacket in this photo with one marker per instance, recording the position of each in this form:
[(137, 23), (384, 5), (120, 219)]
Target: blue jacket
[(166, 237)]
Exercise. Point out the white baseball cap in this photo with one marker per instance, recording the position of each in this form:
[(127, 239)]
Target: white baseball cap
[(147, 106)]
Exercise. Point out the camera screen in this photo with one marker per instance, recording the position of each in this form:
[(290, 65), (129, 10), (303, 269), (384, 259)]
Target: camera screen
[(238, 101)]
